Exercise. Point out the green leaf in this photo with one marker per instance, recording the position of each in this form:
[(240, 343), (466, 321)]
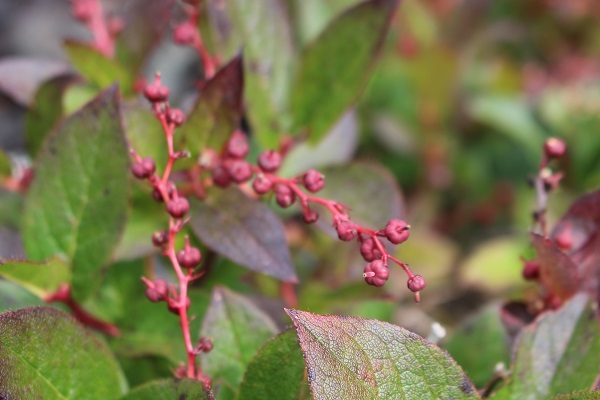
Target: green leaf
[(244, 230), (583, 395), (169, 389), (378, 200), (239, 329), (13, 296), (77, 205), (5, 165), (484, 331), (356, 358), (41, 279), (96, 68), (262, 29), (217, 112), (314, 15), (336, 67), (276, 370), (557, 354), (45, 354), (45, 111)]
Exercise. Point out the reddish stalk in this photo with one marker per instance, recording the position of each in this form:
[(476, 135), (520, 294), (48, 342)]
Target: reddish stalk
[(90, 13)]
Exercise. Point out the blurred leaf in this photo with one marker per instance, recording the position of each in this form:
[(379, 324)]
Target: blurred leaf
[(5, 165), (239, 329), (41, 279), (338, 147), (275, 372), (140, 370), (20, 77), (144, 23), (245, 231), (375, 309), (145, 134), (11, 208), (77, 205), (494, 264), (355, 358), (14, 296), (484, 331), (45, 354), (217, 111), (262, 29), (45, 111), (314, 15), (558, 354), (584, 395), (557, 272), (77, 96), (335, 68), (510, 116), (169, 389), (97, 69), (369, 190)]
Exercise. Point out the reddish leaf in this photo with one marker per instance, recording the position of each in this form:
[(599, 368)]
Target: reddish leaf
[(217, 111), (557, 272), (244, 230), (578, 233), (21, 77)]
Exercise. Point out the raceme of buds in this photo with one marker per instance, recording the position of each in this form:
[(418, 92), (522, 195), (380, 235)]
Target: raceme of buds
[(369, 250), (157, 291), (237, 146), (269, 161), (178, 207), (376, 273), (313, 180), (240, 171), (284, 196), (555, 148), (397, 231), (156, 93), (189, 257), (262, 184), (346, 230), (144, 168), (416, 283)]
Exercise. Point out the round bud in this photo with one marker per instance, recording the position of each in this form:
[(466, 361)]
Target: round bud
[(269, 160), (153, 295), (162, 288), (156, 93), (176, 116), (115, 25), (189, 257), (416, 283), (262, 184), (314, 180), (237, 146), (160, 238), (284, 195), (347, 230), (220, 176), (148, 164), (174, 309), (376, 273), (555, 148), (397, 231), (178, 207), (185, 34), (240, 171), (139, 171), (531, 270), (205, 344), (310, 216), (369, 250)]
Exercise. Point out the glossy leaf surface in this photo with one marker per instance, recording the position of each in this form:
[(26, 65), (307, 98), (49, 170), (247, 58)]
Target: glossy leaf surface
[(40, 279), (356, 358), (244, 230), (45, 354), (77, 205)]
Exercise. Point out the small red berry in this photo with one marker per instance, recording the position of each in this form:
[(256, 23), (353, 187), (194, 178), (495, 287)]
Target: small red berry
[(162, 288), (555, 148), (139, 171), (284, 196), (178, 207), (237, 146), (149, 165), (262, 184), (269, 160), (347, 230), (156, 93), (185, 34), (176, 116), (397, 231), (240, 171), (531, 270), (189, 257), (416, 283), (153, 295), (220, 176), (160, 238), (376, 273), (369, 250), (314, 180), (310, 216)]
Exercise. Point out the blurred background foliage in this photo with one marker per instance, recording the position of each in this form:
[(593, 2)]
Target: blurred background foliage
[(465, 93)]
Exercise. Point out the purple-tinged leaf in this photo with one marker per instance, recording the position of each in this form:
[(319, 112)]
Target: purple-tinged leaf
[(239, 329), (217, 112), (580, 395), (41, 279), (169, 389), (356, 358), (20, 77), (557, 272), (557, 354), (77, 204), (45, 354), (336, 67), (244, 230)]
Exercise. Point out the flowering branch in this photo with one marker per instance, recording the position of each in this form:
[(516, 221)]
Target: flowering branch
[(104, 30)]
